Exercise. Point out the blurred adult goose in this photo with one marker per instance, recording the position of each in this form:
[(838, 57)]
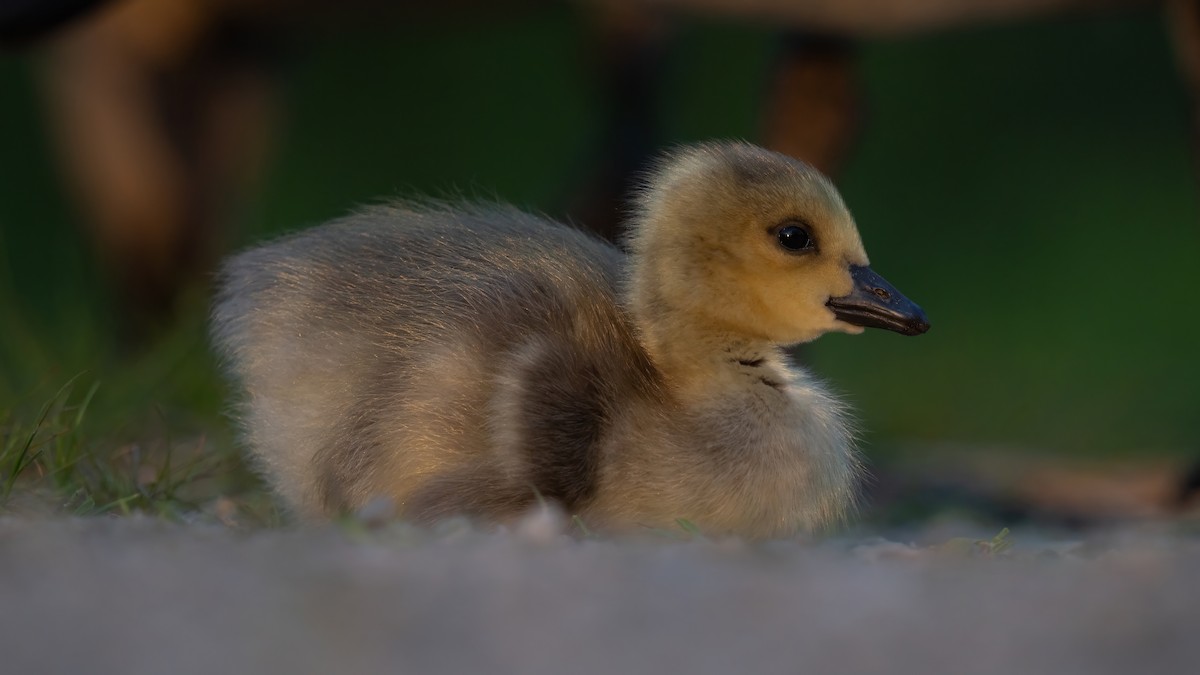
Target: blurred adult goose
[(472, 360)]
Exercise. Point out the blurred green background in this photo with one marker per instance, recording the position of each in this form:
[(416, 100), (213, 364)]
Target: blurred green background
[(1030, 185)]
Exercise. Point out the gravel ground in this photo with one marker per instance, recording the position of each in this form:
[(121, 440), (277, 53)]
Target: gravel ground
[(135, 595)]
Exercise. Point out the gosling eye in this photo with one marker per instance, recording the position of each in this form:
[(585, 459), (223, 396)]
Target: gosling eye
[(795, 238)]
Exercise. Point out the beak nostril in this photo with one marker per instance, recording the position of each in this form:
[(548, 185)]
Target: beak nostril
[(881, 293)]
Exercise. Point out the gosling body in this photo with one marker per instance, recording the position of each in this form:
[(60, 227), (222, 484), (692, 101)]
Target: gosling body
[(473, 360)]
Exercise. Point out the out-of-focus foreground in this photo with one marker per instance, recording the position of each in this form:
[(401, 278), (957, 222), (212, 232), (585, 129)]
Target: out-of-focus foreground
[(139, 596)]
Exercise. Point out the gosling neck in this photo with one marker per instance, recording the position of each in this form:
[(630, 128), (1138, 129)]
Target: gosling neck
[(697, 356)]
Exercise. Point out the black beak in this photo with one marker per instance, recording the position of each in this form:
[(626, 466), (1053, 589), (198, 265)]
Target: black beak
[(874, 303)]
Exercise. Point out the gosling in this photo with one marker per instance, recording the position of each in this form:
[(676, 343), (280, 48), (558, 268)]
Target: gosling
[(475, 360)]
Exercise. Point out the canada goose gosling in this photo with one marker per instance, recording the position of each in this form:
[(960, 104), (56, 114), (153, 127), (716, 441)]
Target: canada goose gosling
[(473, 360)]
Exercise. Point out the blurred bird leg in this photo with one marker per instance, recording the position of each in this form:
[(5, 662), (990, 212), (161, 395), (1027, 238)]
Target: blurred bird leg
[(627, 50), (812, 109), (162, 112), (1183, 20)]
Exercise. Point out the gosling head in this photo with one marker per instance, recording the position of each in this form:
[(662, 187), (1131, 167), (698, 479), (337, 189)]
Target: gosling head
[(758, 244)]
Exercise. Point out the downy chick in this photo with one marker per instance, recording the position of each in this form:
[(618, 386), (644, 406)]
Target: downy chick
[(474, 359)]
